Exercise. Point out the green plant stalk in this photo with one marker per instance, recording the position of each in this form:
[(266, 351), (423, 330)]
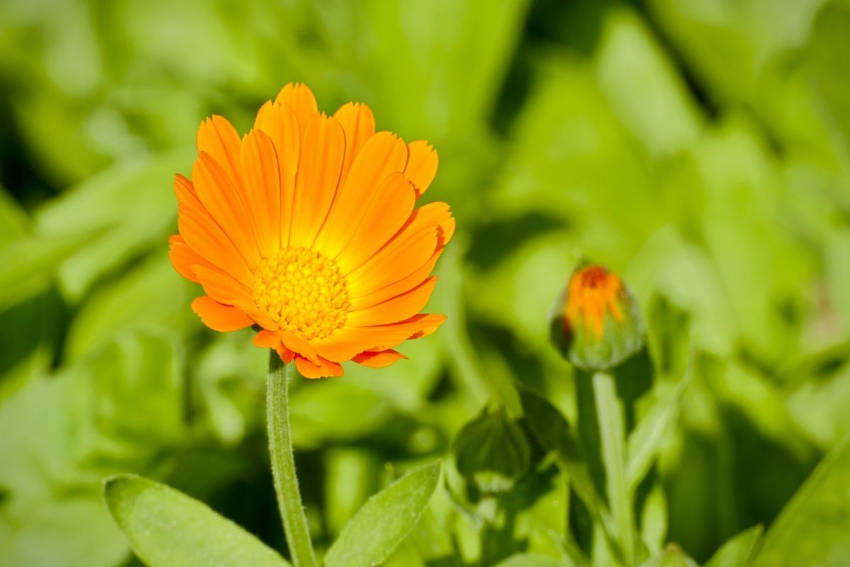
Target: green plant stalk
[(283, 464), (610, 416)]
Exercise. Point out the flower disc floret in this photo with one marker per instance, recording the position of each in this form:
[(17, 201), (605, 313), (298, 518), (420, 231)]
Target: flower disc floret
[(303, 292)]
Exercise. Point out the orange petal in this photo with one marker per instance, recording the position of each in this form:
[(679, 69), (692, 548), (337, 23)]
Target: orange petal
[(299, 346), (280, 124), (319, 369), (220, 286), (358, 122), (262, 319), (381, 291), (347, 342), (401, 256), (428, 323), (266, 339), (218, 138), (183, 258), (220, 317), (390, 206), (204, 236), (378, 359), (437, 213), (200, 231), (382, 155), (317, 178), (427, 231), (299, 98), (421, 165), (398, 308), (262, 188), (223, 198)]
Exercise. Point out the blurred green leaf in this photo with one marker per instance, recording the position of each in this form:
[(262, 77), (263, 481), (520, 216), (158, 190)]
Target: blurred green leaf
[(71, 530), (316, 409), (814, 527), (828, 53), (671, 556), (737, 551), (133, 203), (552, 431), (531, 560), (384, 521), (29, 264), (645, 441), (166, 528), (152, 294), (643, 86), (14, 222)]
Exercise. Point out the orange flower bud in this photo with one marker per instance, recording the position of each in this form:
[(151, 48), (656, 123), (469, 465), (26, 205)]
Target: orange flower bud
[(597, 324)]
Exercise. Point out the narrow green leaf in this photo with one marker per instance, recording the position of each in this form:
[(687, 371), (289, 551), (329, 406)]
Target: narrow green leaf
[(384, 521), (737, 551), (645, 441), (814, 527), (166, 528)]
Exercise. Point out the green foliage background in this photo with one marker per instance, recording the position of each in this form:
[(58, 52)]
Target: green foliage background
[(700, 148)]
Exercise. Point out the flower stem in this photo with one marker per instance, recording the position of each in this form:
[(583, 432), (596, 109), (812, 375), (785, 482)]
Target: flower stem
[(283, 464), (610, 415)]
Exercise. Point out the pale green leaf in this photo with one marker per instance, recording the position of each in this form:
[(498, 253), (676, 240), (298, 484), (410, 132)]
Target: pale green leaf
[(166, 528), (737, 551), (814, 527), (384, 521)]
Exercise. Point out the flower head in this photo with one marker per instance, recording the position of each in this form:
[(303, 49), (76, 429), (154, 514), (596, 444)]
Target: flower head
[(597, 324), (307, 228)]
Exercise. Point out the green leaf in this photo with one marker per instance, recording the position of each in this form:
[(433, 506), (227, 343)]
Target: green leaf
[(671, 556), (531, 560), (814, 527), (828, 52), (166, 528), (152, 294), (132, 202), (28, 264), (14, 222), (384, 521), (645, 441), (737, 551), (69, 530), (552, 431)]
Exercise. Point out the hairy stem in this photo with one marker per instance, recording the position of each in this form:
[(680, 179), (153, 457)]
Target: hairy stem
[(283, 464)]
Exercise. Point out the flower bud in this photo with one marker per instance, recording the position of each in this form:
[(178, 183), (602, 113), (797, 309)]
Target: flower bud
[(492, 452), (596, 324)]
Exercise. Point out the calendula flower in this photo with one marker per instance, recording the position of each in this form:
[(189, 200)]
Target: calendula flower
[(307, 228), (597, 323)]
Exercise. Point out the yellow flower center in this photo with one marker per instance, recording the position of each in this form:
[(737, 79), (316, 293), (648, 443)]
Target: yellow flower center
[(303, 292)]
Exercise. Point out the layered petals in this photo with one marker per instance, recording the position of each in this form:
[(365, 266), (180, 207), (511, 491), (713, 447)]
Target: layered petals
[(307, 229)]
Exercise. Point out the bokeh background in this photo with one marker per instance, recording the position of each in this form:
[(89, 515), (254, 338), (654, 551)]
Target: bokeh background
[(700, 148)]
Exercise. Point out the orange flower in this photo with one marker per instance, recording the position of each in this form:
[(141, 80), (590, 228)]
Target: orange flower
[(307, 228)]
